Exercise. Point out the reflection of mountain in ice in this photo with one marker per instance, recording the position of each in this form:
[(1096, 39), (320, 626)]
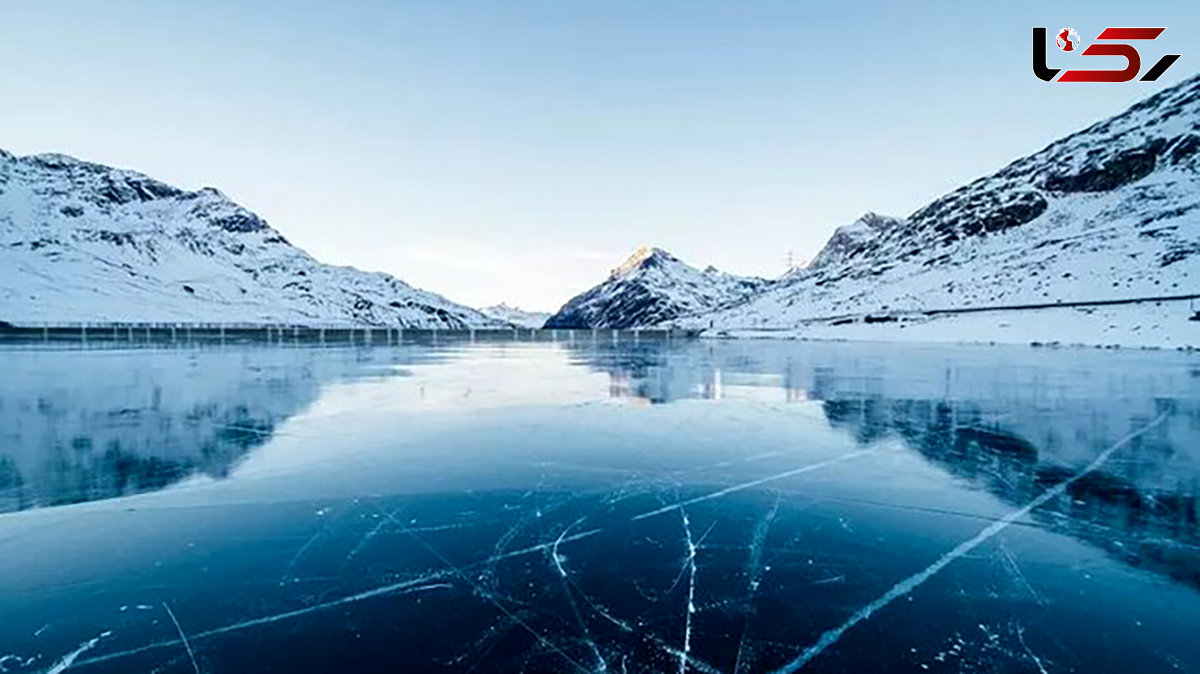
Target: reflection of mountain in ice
[(85, 425), (79, 425), (1142, 507), (1014, 422), (1070, 404), (409, 522)]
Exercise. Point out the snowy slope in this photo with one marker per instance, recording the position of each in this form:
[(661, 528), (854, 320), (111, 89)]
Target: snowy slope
[(515, 315), (81, 242), (850, 241), (652, 286), (1112, 212)]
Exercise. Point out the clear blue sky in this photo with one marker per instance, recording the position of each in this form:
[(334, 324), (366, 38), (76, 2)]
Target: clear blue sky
[(518, 150)]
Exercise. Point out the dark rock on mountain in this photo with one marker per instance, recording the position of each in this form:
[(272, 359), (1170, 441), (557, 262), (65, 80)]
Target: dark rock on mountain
[(1111, 212), (652, 286), (82, 242)]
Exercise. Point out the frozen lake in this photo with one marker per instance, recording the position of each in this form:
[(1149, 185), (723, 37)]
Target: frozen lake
[(660, 506)]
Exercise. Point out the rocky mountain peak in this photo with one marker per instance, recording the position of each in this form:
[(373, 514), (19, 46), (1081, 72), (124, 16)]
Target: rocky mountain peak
[(649, 287), (645, 257), (1107, 214), (850, 240), (73, 231)]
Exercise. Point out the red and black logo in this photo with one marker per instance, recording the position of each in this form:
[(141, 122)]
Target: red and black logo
[(1068, 41)]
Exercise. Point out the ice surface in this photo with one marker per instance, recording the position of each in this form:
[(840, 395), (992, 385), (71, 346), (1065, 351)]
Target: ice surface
[(589, 506)]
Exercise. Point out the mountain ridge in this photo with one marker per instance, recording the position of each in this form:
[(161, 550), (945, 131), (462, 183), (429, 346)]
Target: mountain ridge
[(1110, 212), (85, 242), (515, 315), (651, 286)]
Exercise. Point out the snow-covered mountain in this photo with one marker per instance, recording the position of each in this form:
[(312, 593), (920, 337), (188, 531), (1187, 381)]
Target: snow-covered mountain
[(851, 240), (652, 286), (81, 242), (515, 315), (1111, 212)]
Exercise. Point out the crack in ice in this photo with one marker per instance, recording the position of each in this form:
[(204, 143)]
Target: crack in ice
[(1020, 575), (566, 582), (691, 597), (754, 483), (423, 583), (917, 579), (291, 565), (755, 570), (489, 596), (1028, 651), (362, 544), (69, 659), (186, 644)]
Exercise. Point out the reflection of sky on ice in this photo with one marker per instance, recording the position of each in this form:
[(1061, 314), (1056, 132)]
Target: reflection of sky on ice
[(692, 506)]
